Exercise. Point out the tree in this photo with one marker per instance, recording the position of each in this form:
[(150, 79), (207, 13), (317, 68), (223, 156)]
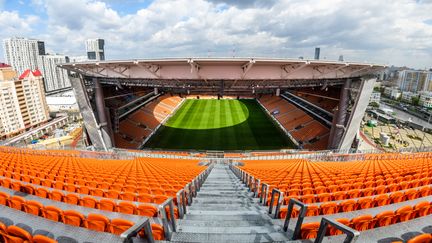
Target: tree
[(415, 100), (374, 104)]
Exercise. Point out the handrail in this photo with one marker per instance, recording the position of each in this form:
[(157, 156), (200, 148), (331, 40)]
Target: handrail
[(256, 187), (264, 192), (143, 223), (181, 202), (302, 214), (279, 201), (352, 234), (169, 223)]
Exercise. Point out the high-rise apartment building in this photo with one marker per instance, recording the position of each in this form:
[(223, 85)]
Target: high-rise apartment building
[(31, 98), (11, 121), (95, 49), (22, 100), (23, 54), (55, 78), (415, 80)]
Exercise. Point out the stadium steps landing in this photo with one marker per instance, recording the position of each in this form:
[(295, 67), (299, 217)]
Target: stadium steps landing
[(225, 211)]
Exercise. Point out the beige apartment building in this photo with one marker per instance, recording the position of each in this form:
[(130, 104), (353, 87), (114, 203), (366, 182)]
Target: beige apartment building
[(22, 101)]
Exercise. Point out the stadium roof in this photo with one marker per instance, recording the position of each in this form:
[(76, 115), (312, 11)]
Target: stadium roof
[(223, 69)]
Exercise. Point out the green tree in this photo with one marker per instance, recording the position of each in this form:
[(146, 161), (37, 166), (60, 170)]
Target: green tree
[(415, 100)]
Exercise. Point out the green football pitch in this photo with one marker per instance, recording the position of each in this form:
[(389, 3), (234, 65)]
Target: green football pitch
[(219, 125)]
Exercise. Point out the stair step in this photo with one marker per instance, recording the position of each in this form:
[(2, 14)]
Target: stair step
[(212, 237), (230, 230), (226, 223), (216, 207)]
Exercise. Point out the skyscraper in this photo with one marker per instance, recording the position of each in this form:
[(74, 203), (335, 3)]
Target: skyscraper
[(95, 49), (317, 53), (55, 78), (23, 53)]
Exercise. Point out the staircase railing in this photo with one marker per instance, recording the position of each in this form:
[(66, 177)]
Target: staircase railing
[(143, 223), (278, 202), (168, 222), (302, 214), (352, 234)]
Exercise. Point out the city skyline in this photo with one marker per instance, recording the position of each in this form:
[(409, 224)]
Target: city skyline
[(386, 32)]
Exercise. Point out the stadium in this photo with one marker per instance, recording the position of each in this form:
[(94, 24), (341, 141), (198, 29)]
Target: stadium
[(218, 150)]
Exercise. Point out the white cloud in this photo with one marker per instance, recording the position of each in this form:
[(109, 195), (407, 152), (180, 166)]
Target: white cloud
[(389, 32)]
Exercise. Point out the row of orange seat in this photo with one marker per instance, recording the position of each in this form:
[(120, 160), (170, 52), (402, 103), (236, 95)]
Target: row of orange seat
[(395, 192), (144, 193), (423, 238), (95, 222), (366, 222), (361, 203), (144, 209), (14, 234)]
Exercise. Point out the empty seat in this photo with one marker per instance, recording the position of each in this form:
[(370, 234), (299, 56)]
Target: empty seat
[(16, 202), (423, 238), (107, 205), (17, 232), (147, 210), (72, 217), (52, 213), (119, 226), (363, 222), (33, 207), (97, 222), (384, 218), (422, 209), (4, 198), (126, 207), (88, 202), (404, 213), (309, 230), (71, 199), (329, 208)]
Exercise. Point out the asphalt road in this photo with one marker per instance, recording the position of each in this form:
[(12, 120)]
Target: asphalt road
[(402, 115)]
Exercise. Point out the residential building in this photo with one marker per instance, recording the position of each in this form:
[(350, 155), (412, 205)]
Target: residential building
[(375, 97), (392, 92), (62, 102), (95, 49), (31, 98), (407, 96), (415, 80), (55, 78), (11, 121), (426, 99), (23, 53)]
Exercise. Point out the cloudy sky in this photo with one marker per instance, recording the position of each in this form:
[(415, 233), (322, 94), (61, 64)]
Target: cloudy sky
[(392, 32)]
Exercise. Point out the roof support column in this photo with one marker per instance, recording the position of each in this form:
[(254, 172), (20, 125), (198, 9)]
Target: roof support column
[(104, 123), (338, 126)]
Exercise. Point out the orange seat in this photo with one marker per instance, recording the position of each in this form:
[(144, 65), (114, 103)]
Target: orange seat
[(396, 197), (404, 213), (384, 218), (329, 208), (107, 205), (128, 196), (422, 209), (19, 233), (144, 197), (72, 199), (348, 205), (364, 203), (307, 199), (382, 200), (89, 202), (157, 231), (147, 210), (73, 217), (16, 202), (4, 198), (83, 190), (159, 199), (312, 210), (424, 191), (339, 196), (112, 194), (411, 194), (29, 189), (52, 213), (126, 207), (97, 192), (119, 226), (423, 238), (363, 222), (97, 222), (42, 192), (33, 207), (43, 239), (324, 197), (334, 231), (309, 230), (16, 186), (56, 196)]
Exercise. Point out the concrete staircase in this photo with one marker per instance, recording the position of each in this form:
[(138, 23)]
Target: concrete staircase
[(225, 211)]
